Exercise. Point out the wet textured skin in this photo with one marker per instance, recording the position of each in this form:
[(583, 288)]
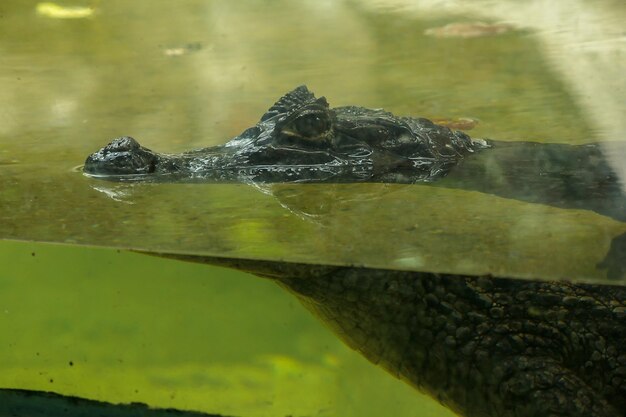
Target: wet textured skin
[(301, 139), (482, 346)]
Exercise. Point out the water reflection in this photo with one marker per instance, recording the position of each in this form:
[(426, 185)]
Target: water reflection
[(582, 42)]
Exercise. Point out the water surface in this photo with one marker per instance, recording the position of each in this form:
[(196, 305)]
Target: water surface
[(195, 73)]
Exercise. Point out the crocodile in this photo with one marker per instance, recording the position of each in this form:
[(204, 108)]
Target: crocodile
[(481, 345), (301, 139)]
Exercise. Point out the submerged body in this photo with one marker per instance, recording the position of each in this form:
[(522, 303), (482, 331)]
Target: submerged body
[(483, 346)]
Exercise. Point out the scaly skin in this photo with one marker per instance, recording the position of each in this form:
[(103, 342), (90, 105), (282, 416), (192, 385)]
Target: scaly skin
[(482, 346)]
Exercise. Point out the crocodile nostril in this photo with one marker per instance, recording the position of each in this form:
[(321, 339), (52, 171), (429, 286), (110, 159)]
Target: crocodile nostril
[(122, 144)]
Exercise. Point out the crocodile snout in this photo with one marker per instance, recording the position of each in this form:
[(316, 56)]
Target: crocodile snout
[(123, 156)]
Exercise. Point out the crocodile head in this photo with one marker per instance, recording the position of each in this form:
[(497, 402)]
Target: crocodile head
[(299, 139)]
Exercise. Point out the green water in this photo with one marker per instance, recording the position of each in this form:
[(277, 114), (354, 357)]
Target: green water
[(123, 327), (188, 74)]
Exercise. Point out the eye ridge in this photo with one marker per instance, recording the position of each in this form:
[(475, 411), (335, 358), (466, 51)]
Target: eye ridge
[(311, 125)]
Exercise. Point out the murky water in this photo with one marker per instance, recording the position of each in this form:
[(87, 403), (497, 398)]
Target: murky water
[(195, 73), (121, 327)]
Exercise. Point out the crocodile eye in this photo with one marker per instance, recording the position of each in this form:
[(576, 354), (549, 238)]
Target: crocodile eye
[(311, 125)]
